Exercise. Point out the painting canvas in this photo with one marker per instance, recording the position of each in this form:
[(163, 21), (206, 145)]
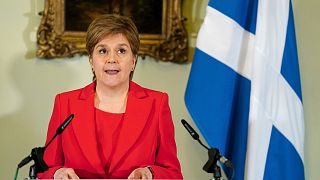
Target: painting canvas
[(146, 14), (160, 24)]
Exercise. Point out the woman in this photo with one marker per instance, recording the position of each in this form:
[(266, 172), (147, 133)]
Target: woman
[(120, 129)]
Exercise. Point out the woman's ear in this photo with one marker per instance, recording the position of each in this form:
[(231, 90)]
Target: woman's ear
[(90, 61), (134, 61)]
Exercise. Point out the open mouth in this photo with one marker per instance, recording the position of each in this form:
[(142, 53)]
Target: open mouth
[(112, 72)]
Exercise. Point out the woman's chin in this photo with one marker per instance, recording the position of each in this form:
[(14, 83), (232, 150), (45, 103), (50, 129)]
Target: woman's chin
[(112, 83)]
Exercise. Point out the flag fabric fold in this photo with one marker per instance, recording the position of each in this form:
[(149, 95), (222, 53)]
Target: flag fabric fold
[(244, 91)]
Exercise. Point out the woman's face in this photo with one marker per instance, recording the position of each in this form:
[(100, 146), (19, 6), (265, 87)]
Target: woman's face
[(112, 60)]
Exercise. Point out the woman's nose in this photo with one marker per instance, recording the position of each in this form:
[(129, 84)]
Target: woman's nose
[(111, 58)]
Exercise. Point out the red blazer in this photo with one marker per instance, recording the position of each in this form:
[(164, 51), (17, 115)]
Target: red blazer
[(146, 138)]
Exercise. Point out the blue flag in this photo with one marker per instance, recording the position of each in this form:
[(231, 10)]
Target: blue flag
[(244, 91)]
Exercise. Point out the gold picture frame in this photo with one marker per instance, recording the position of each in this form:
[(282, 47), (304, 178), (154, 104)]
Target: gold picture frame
[(54, 40)]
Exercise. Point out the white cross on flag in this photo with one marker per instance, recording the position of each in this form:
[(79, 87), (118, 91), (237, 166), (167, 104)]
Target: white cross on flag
[(244, 91)]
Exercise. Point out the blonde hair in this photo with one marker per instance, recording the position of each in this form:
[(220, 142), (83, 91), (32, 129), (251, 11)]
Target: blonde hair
[(111, 24)]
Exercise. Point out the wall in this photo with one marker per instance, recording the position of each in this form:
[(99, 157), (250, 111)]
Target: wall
[(28, 85), (308, 38)]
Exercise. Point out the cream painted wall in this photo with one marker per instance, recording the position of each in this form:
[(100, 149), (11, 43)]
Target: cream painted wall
[(307, 31), (28, 85)]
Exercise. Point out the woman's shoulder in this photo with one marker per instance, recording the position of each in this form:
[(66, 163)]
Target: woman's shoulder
[(83, 91), (148, 91)]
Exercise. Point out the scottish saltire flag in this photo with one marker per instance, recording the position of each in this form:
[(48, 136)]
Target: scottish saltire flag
[(244, 91)]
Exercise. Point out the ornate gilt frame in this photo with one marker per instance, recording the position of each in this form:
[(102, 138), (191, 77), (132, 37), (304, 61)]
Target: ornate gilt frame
[(54, 42)]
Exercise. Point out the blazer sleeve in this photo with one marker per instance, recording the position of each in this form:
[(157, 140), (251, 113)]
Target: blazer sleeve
[(166, 164), (53, 155)]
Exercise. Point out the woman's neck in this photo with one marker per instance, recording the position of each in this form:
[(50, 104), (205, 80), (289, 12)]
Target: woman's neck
[(111, 99)]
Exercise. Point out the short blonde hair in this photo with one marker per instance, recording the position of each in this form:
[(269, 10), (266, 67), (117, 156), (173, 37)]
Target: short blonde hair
[(111, 24)]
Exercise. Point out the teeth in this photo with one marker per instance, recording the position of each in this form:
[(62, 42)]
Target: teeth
[(111, 71)]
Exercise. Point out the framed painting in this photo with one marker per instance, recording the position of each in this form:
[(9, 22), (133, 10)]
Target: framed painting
[(160, 24)]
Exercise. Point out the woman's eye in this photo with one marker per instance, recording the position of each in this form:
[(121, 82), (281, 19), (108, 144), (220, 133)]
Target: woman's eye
[(102, 51), (121, 51)]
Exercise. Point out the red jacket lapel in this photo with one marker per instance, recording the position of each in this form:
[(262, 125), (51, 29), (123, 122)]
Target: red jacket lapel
[(138, 109), (84, 126)]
